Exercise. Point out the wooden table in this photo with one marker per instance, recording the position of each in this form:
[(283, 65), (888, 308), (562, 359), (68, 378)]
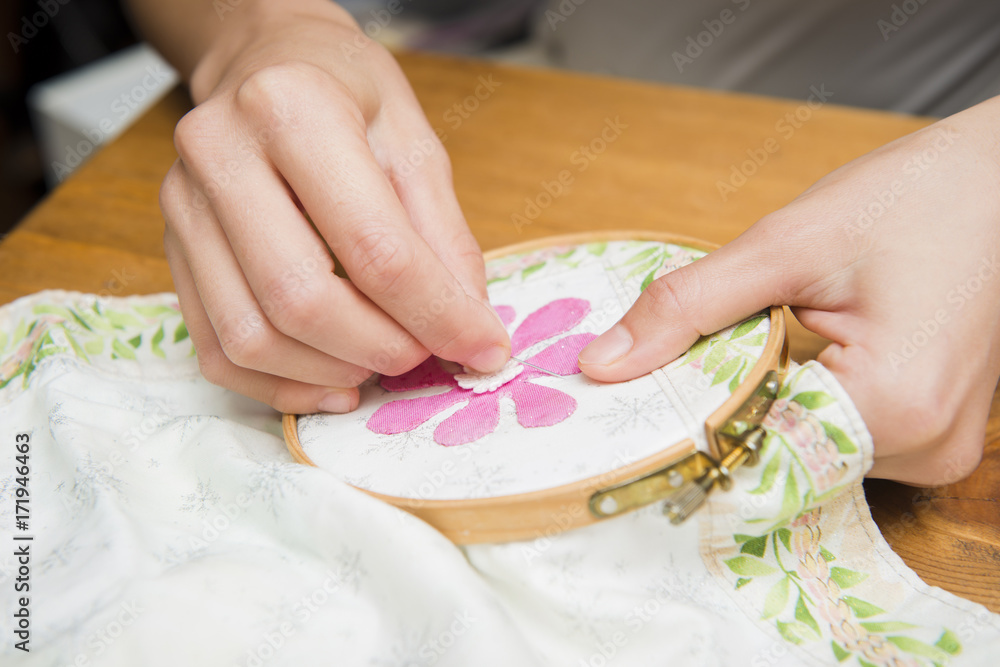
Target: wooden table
[(100, 231)]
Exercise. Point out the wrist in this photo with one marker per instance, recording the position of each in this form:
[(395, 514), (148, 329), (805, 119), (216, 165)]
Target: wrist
[(251, 24)]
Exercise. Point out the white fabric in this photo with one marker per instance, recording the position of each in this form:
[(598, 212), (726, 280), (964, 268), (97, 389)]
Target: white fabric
[(171, 527)]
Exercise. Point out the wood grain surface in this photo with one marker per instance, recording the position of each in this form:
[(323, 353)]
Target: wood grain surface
[(510, 132)]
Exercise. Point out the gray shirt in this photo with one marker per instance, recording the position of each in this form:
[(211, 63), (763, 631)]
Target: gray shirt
[(919, 56)]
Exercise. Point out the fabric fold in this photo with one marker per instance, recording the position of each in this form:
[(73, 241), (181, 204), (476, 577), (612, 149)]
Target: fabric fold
[(170, 526)]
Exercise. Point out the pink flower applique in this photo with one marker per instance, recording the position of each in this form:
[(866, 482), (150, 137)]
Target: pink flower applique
[(536, 405)]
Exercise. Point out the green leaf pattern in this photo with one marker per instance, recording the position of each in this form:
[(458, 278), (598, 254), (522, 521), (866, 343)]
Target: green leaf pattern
[(525, 264), (630, 260), (805, 599), (88, 329), (811, 447), (795, 581), (729, 355)]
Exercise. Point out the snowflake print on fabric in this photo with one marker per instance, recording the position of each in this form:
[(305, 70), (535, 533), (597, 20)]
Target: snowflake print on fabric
[(632, 414), (536, 405), (202, 500)]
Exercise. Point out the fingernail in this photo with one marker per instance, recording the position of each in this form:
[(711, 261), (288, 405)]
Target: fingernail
[(611, 346), (491, 359), (338, 401)]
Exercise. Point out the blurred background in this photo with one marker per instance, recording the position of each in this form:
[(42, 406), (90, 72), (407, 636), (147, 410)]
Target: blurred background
[(81, 32), (73, 74)]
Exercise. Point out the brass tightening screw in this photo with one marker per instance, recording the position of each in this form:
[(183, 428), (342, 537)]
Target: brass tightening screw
[(693, 494)]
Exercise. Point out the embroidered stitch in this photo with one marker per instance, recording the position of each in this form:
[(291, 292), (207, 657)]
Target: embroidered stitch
[(481, 383), (536, 405)]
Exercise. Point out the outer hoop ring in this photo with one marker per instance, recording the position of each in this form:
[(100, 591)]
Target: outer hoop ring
[(545, 512)]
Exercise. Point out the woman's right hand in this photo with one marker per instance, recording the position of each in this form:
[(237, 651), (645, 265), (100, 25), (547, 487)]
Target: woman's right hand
[(306, 138)]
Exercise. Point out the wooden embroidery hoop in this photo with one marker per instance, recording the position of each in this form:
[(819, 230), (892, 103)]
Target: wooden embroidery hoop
[(680, 474)]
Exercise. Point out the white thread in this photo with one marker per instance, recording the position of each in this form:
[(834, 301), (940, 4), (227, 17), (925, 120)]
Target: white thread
[(480, 383)]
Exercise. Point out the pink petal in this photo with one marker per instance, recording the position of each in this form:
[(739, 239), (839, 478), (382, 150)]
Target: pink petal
[(477, 419), (540, 406), (427, 374), (506, 314), (550, 320), (406, 414), (560, 357)]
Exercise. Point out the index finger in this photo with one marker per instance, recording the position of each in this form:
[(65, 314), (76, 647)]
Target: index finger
[(355, 208)]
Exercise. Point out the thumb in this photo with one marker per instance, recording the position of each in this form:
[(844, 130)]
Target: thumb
[(722, 288)]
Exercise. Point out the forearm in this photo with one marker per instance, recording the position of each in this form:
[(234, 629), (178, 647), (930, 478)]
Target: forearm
[(982, 122), (181, 30)]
